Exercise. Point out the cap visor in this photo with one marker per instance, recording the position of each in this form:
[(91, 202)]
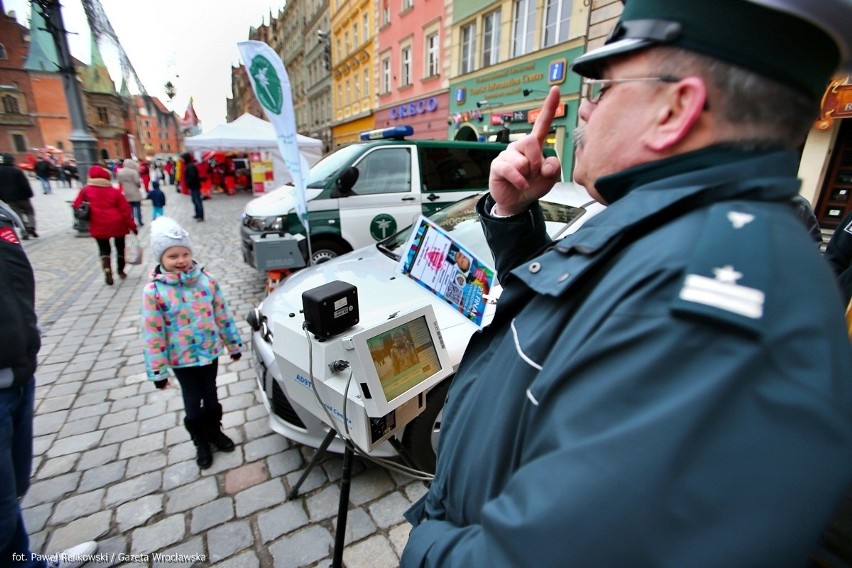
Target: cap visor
[(589, 64)]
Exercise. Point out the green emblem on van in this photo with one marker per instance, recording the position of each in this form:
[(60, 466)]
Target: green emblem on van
[(382, 226), (267, 83)]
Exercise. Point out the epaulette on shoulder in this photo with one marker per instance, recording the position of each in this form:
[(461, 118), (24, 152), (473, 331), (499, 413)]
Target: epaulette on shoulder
[(722, 282)]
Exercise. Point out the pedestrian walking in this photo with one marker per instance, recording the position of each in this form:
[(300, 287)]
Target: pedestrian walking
[(669, 385), (21, 340), (16, 191), (110, 218), (185, 323), (192, 179), (145, 174), (131, 183), (158, 200), (44, 171)]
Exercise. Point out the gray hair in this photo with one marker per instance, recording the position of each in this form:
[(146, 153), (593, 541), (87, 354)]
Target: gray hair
[(761, 112)]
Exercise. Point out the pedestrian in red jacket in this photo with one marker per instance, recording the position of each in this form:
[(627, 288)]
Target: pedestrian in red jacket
[(110, 218)]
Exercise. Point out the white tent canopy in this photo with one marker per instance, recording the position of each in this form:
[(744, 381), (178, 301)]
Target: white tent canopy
[(252, 134)]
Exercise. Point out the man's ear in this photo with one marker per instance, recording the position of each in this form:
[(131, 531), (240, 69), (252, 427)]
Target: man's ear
[(684, 103)]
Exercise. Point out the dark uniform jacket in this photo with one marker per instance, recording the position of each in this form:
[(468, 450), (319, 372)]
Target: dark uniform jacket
[(839, 255), (669, 386), (19, 334), (14, 185)]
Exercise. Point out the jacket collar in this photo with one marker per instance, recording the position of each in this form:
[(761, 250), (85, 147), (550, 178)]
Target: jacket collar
[(692, 180), (175, 278)]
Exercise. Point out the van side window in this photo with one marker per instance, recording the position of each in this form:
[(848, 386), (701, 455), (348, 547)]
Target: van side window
[(450, 168), (384, 170)]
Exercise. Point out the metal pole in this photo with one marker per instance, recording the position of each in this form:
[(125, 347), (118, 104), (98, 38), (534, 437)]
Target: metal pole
[(85, 145)]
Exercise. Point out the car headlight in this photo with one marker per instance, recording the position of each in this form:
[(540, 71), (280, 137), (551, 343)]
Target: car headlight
[(265, 223)]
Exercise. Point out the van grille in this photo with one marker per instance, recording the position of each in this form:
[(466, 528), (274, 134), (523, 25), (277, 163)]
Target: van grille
[(282, 408)]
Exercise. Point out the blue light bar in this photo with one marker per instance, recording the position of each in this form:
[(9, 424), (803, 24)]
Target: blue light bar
[(397, 132)]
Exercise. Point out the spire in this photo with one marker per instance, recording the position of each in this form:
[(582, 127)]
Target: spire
[(41, 55), (96, 78), (190, 119)]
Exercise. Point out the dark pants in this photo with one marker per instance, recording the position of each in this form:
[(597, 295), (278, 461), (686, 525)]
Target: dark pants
[(136, 211), (16, 456), (198, 386), (24, 209), (104, 249), (196, 201)]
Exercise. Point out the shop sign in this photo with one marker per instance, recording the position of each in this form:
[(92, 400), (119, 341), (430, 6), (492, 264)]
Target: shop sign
[(836, 102), (413, 109), (533, 114)]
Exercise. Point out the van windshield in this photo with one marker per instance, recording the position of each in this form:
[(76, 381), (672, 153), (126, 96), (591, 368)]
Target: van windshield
[(331, 165)]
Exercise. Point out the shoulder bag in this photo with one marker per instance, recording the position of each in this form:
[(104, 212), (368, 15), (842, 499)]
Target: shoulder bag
[(83, 211)]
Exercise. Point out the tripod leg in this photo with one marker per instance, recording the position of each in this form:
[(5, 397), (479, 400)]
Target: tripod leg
[(314, 460), (342, 508)]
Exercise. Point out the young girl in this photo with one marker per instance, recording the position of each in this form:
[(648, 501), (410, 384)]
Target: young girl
[(184, 315)]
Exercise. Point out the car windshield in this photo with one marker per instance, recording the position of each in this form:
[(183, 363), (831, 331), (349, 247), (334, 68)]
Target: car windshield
[(330, 165), (461, 222)]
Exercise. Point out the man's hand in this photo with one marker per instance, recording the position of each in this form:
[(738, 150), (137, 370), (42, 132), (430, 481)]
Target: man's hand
[(521, 174)]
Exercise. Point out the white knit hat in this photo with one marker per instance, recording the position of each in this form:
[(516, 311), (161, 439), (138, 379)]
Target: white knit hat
[(166, 233)]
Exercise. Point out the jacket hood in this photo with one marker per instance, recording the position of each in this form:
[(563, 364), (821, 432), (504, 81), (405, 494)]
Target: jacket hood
[(128, 163)]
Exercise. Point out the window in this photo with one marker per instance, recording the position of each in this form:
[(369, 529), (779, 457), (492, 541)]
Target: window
[(3, 54), (386, 83), (366, 26), (407, 5), (103, 116), (10, 105), (356, 42), (432, 55), (357, 85), (468, 48), (405, 68), (523, 27), (386, 13), (491, 38), (386, 170), (19, 142), (346, 41), (366, 83), (448, 169), (556, 21)]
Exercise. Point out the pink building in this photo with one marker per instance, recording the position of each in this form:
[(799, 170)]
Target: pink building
[(412, 82)]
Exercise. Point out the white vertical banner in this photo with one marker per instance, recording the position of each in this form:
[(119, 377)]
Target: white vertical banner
[(271, 86)]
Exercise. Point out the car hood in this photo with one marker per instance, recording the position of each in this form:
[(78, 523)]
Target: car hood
[(382, 293), (279, 201)]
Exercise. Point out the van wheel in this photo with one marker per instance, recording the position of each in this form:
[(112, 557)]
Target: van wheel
[(420, 439), (322, 251)]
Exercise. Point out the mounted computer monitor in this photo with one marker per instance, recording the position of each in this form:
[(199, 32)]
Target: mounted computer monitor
[(399, 359)]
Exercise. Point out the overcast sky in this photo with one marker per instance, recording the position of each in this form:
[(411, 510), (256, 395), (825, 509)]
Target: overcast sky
[(190, 43)]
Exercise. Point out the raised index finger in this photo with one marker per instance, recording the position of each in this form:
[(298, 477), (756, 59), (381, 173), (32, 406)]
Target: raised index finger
[(545, 118)]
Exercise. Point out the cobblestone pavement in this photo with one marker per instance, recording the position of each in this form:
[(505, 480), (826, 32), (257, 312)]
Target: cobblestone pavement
[(113, 462)]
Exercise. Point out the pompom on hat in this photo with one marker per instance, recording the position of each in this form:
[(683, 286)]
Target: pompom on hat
[(99, 172), (166, 233)]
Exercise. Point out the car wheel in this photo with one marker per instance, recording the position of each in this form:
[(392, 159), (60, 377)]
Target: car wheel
[(322, 251), (420, 439)]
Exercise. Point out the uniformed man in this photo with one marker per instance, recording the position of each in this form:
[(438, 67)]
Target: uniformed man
[(670, 385)]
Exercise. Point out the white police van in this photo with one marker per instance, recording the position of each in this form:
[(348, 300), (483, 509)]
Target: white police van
[(367, 191)]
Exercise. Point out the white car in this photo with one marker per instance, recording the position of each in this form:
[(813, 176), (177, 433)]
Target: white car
[(383, 292)]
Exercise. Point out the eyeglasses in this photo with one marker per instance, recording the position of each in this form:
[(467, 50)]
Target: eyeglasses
[(597, 87)]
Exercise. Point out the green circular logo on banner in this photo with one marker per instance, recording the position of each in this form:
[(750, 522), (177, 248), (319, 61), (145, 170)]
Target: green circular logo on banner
[(382, 226), (267, 84)]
